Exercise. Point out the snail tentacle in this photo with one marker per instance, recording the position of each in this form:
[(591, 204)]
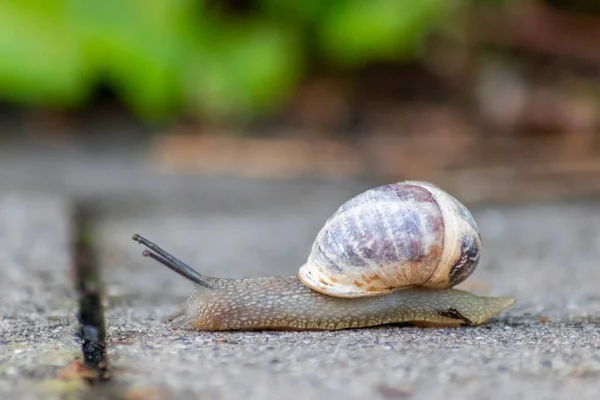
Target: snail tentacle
[(172, 262)]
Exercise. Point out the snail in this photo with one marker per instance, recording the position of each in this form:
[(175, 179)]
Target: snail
[(389, 255)]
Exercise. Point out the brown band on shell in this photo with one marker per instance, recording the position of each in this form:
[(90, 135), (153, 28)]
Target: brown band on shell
[(466, 263)]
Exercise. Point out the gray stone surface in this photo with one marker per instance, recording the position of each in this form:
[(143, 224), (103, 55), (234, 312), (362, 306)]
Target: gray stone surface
[(544, 255), (37, 300)]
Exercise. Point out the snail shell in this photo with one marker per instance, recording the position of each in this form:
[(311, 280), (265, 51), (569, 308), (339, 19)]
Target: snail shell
[(391, 238)]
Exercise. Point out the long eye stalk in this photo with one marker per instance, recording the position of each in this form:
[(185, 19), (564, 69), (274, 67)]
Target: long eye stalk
[(172, 262)]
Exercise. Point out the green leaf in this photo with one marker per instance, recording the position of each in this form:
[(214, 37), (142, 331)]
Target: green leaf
[(357, 31), (305, 11), (136, 46), (243, 69), (40, 56)]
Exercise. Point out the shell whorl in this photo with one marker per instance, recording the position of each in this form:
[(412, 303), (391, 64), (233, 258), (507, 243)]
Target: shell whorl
[(462, 241), (390, 238)]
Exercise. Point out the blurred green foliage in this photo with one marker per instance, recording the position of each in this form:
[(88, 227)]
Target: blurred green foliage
[(167, 56)]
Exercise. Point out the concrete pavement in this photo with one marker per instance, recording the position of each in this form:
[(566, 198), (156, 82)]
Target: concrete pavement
[(545, 255)]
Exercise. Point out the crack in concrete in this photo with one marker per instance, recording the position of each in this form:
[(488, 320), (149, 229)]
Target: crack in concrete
[(89, 286)]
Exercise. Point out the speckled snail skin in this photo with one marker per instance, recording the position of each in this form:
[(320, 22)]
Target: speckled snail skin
[(389, 255)]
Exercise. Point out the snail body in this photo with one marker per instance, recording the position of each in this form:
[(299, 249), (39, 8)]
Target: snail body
[(286, 303), (389, 255)]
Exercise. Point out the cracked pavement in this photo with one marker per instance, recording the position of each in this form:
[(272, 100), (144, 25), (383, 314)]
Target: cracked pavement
[(545, 255)]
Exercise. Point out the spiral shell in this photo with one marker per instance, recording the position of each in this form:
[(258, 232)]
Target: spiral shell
[(393, 237)]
